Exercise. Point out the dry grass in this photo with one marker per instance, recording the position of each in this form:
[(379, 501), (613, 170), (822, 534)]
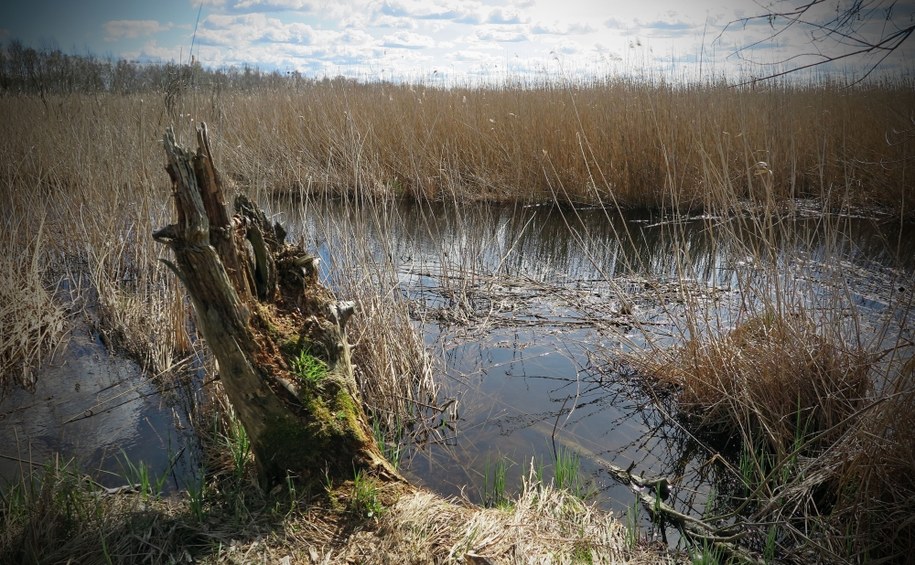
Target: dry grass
[(874, 471), (615, 142), (811, 446), (91, 165), (543, 525), (90, 172), (772, 377), (97, 181), (805, 397), (59, 515), (33, 321)]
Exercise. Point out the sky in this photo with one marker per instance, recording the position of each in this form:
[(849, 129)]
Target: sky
[(455, 40)]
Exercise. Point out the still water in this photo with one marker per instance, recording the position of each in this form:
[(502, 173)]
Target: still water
[(92, 411), (528, 310)]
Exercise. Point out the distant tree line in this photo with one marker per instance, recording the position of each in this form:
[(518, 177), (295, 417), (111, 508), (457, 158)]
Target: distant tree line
[(25, 70)]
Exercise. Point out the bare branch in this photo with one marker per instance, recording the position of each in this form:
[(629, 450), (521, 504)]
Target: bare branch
[(851, 27)]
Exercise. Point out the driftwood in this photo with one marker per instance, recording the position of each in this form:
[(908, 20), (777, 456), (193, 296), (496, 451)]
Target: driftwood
[(260, 306), (653, 492)]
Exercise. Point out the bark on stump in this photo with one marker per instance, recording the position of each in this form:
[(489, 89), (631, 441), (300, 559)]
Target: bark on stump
[(260, 307)]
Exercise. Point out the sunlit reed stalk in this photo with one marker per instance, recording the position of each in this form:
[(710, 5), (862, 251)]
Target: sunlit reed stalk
[(796, 374)]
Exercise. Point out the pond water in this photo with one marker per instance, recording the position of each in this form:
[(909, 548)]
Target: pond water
[(99, 413), (526, 310)]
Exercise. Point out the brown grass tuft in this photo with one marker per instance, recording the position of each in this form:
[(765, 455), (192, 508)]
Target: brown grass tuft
[(33, 321), (773, 376), (543, 525), (875, 485)]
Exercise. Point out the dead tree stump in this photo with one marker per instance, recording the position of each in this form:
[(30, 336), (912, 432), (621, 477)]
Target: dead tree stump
[(277, 334)]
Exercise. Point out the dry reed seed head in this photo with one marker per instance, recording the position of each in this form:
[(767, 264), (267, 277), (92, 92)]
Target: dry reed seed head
[(762, 169)]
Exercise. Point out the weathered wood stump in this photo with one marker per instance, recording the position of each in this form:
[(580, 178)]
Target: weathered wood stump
[(277, 334)]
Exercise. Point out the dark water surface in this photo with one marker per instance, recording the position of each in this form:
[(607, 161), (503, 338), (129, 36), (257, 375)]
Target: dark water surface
[(99, 413), (528, 308)]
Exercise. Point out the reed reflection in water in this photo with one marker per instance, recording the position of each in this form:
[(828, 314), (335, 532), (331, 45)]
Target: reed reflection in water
[(527, 309)]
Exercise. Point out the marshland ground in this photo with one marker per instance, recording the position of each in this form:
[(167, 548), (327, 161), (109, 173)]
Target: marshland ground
[(796, 391)]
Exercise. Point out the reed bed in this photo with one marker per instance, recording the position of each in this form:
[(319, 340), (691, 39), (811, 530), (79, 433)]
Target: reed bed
[(92, 161), (791, 388), (87, 175), (808, 448), (84, 174), (794, 381), (33, 321), (617, 142)]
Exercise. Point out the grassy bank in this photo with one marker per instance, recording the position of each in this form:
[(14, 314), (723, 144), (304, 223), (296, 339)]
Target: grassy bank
[(802, 391), (57, 513)]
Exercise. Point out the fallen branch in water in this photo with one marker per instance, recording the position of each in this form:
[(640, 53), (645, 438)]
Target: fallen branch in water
[(652, 492)]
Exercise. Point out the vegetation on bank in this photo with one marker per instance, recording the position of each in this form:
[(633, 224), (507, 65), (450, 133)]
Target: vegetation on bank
[(815, 417), (617, 141), (56, 513), (809, 432)]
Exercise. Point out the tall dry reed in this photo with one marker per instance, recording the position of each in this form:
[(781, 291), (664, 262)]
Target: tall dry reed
[(89, 167), (33, 320), (93, 161), (617, 142), (802, 386)]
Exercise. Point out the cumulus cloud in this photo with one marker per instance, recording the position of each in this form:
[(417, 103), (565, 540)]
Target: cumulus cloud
[(408, 40), (383, 21), (504, 16), (273, 5), (429, 10), (670, 26), (500, 35), (557, 29), (667, 28), (221, 29), (130, 29)]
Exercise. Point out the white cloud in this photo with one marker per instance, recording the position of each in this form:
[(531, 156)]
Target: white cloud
[(273, 5), (152, 51), (408, 40), (402, 38), (504, 16), (383, 21), (500, 34), (468, 12), (131, 29), (562, 29), (233, 30)]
